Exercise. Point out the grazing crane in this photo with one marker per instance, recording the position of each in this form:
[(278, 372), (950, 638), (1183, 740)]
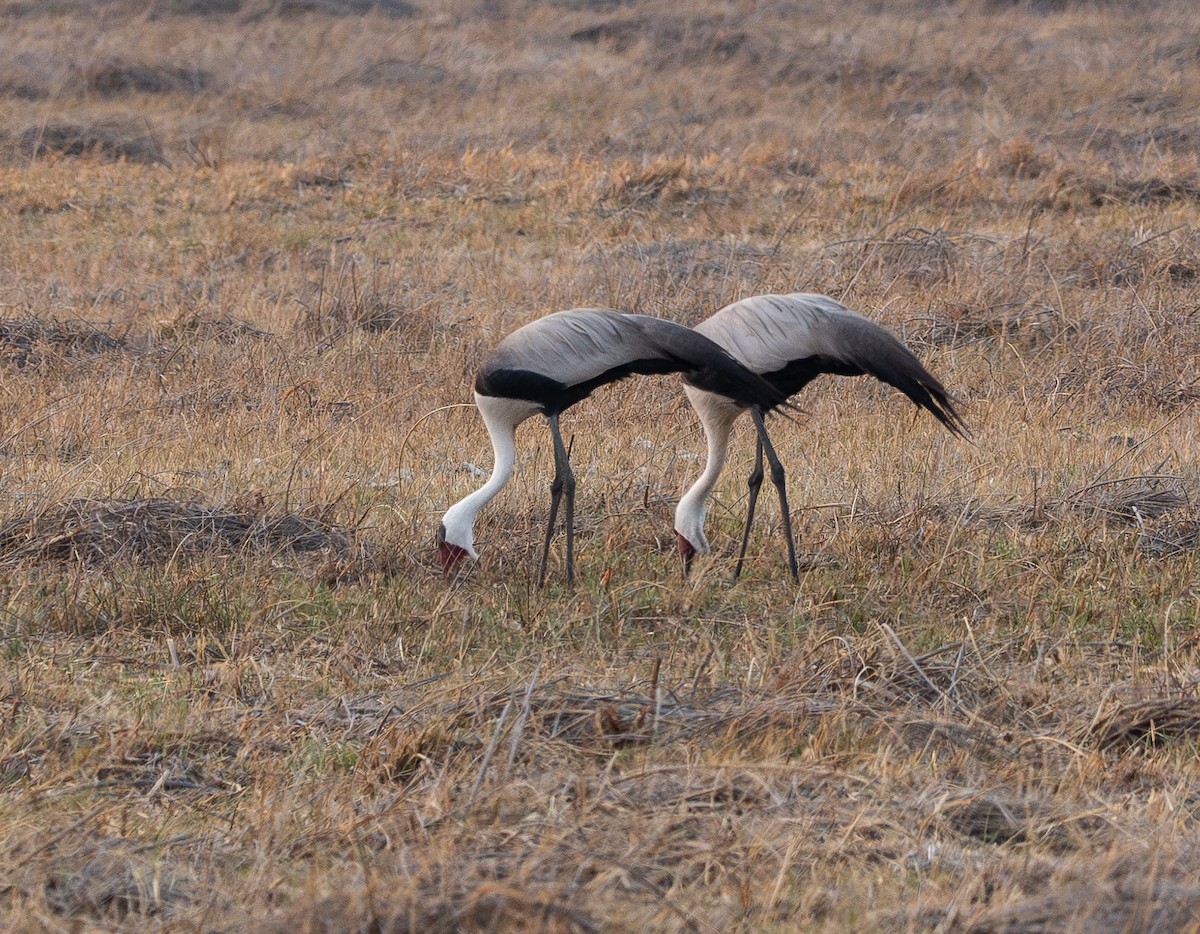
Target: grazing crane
[(550, 364), (790, 340)]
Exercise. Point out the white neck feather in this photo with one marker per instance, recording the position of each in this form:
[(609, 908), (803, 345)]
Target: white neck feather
[(717, 415), (501, 416)]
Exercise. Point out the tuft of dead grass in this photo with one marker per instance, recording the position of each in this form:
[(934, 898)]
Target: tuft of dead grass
[(1177, 534), (378, 303), (1101, 897), (1123, 723), (111, 139), (673, 38), (221, 329), (925, 256), (395, 72), (28, 341), (444, 907), (116, 77), (92, 532), (1003, 818), (1130, 499), (645, 185), (113, 879)]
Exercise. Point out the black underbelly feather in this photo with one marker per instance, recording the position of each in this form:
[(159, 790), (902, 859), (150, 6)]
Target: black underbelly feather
[(518, 384), (554, 396), (799, 373)]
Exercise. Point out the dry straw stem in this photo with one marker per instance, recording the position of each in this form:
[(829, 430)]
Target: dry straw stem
[(252, 256)]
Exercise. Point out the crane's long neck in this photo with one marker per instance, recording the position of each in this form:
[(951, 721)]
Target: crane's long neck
[(717, 415), (501, 416)]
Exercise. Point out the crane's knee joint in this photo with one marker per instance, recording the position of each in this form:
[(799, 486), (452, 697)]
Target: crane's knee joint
[(777, 474)]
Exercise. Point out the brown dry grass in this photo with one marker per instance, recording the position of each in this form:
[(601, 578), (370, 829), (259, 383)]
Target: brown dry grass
[(252, 255)]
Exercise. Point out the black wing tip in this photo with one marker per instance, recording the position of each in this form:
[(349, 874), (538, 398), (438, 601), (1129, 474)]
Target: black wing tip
[(935, 400), (709, 366), (954, 422)]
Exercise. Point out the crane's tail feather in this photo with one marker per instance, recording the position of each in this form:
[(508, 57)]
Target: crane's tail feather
[(787, 410), (899, 368), (935, 400)]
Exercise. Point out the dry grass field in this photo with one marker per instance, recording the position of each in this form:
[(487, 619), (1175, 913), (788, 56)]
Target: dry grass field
[(251, 254)]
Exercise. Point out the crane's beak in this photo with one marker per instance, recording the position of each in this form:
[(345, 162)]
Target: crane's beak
[(687, 552)]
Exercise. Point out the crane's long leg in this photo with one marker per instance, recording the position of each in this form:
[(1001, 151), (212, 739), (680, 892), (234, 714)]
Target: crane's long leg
[(755, 483), (777, 478), (564, 457), (563, 483)]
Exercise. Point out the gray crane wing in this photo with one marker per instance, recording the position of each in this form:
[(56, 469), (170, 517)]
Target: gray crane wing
[(792, 339), (560, 359)]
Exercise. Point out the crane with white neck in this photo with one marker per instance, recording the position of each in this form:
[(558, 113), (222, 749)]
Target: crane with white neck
[(790, 340), (556, 361)]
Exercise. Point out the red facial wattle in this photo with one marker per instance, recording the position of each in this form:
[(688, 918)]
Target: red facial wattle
[(450, 555), (687, 552)]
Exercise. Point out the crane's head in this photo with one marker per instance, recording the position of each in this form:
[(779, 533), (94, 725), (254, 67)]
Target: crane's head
[(455, 541), (689, 530), (687, 552)]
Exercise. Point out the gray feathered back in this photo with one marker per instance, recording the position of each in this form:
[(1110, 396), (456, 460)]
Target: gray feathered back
[(792, 339)]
